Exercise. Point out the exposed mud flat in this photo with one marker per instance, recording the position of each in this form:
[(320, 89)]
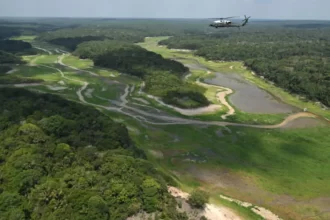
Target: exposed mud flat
[(193, 157), (258, 210), (157, 154), (248, 190), (133, 129), (148, 109), (56, 88), (305, 123), (12, 71), (182, 50), (141, 100), (61, 82), (26, 84), (248, 97), (226, 179), (142, 216), (89, 92), (195, 66)]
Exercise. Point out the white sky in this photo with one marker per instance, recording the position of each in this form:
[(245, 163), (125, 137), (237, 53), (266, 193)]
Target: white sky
[(268, 9)]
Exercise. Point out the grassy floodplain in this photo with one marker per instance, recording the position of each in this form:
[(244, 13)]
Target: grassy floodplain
[(255, 165), (283, 170)]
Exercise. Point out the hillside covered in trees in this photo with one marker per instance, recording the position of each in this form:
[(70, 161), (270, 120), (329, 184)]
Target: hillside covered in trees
[(17, 27), (128, 30), (72, 37), (295, 59), (127, 57), (10, 51), (162, 76), (7, 60), (62, 160), (17, 47)]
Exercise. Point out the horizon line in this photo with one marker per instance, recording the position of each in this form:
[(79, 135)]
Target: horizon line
[(173, 18)]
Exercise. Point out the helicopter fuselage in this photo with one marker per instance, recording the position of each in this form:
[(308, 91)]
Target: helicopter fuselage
[(223, 22)]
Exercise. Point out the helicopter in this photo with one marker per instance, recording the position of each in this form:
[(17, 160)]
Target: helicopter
[(223, 22)]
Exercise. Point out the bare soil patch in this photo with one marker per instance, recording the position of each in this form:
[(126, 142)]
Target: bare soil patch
[(211, 211), (157, 154)]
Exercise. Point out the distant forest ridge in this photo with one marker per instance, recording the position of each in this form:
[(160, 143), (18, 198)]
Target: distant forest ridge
[(293, 54)]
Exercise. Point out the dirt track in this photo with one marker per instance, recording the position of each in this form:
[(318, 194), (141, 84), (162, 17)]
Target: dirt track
[(221, 96), (222, 99)]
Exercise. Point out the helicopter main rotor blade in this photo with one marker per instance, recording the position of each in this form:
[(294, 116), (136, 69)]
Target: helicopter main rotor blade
[(231, 17), (225, 18)]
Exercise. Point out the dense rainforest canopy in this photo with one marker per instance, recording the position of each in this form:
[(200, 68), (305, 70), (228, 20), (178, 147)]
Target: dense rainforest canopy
[(130, 30), (7, 60), (18, 28), (17, 47), (127, 57), (62, 160), (72, 37)]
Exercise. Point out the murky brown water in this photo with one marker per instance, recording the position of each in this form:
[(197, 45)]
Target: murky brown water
[(248, 97)]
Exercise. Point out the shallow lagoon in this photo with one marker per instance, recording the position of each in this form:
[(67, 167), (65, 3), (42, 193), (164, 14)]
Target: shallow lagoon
[(248, 97)]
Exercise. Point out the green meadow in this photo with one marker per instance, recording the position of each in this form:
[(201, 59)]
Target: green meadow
[(27, 38)]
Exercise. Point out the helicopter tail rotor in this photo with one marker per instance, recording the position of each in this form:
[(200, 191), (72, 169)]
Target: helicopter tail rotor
[(246, 20)]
